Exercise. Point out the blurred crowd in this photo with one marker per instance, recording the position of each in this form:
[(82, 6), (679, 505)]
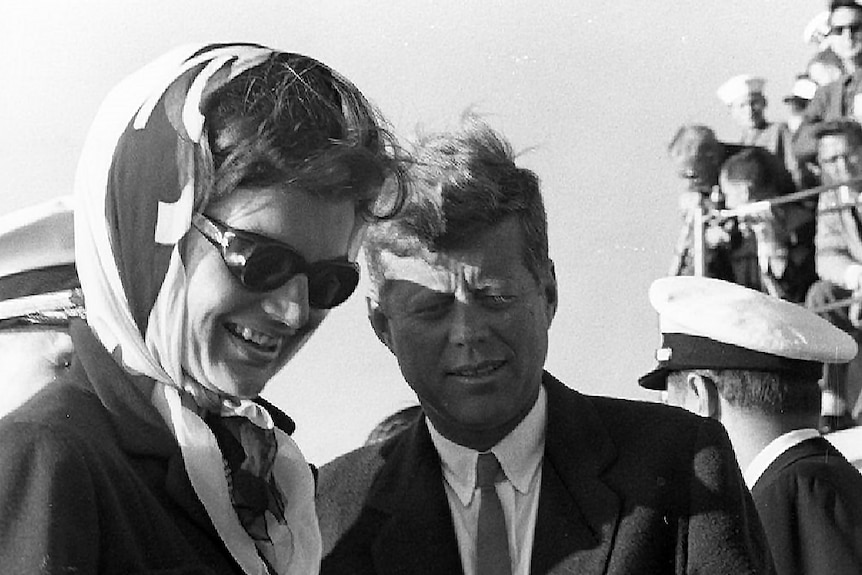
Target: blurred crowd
[(775, 209)]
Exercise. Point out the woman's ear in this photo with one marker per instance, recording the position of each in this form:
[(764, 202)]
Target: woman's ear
[(379, 322)]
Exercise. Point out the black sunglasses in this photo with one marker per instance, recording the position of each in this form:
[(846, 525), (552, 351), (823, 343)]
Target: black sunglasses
[(853, 28), (262, 264)]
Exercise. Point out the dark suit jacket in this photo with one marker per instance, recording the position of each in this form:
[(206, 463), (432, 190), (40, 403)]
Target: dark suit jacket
[(810, 503), (92, 481), (627, 487)]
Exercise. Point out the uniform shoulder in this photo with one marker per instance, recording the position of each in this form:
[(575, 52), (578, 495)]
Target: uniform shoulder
[(826, 470)]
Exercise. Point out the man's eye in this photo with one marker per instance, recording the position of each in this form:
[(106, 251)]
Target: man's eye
[(496, 300), (432, 307)]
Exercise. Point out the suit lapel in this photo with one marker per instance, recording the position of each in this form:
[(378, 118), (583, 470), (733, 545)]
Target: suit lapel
[(578, 513), (577, 517), (417, 535)]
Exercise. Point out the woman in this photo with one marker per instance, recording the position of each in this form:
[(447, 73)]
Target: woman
[(220, 200)]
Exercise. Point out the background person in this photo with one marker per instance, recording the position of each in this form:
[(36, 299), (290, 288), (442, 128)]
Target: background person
[(839, 261), (745, 99), (797, 100), (771, 248), (824, 67), (39, 294), (508, 469), (753, 362), (219, 200), (842, 97), (697, 156), (804, 87)]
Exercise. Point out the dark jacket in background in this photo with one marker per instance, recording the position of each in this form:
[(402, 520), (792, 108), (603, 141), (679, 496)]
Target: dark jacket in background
[(810, 503)]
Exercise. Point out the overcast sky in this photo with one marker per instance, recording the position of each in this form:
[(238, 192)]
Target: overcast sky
[(591, 90)]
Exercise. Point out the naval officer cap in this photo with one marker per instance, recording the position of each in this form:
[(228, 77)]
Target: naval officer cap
[(38, 280), (707, 323), (803, 89), (738, 87)]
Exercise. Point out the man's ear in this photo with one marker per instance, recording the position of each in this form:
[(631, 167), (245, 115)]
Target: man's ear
[(379, 322), (551, 293), (704, 395)]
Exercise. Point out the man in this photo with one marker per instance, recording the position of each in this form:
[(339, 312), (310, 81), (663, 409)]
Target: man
[(697, 156), (797, 100), (509, 470), (843, 97), (772, 249), (838, 258), (752, 362), (37, 298), (824, 67), (745, 99), (804, 88)]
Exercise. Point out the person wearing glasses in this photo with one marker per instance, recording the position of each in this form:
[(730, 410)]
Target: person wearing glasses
[(220, 199), (838, 259), (842, 97), (506, 470), (39, 295)]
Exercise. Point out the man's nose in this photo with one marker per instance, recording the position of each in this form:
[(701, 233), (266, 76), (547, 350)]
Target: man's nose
[(468, 323), (289, 303), (841, 167)]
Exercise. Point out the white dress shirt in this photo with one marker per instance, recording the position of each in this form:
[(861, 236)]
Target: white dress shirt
[(520, 455), (771, 452)]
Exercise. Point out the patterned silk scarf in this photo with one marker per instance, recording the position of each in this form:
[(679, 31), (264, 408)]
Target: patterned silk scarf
[(135, 190)]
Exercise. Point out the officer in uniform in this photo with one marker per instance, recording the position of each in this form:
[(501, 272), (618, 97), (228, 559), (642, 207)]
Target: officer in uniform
[(38, 294), (752, 362)]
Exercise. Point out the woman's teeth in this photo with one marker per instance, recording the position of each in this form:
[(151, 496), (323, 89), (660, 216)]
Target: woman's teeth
[(257, 338)]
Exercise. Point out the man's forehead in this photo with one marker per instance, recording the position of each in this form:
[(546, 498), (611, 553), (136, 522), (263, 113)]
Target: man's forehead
[(836, 140), (439, 271), (844, 15)]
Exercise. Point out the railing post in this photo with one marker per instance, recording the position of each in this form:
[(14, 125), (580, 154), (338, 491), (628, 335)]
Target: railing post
[(699, 261)]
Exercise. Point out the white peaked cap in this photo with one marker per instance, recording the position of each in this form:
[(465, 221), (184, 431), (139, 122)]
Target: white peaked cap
[(709, 323), (803, 88), (740, 86), (817, 28), (36, 237)]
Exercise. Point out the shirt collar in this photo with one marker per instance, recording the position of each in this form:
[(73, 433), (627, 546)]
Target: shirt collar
[(771, 452), (519, 453)]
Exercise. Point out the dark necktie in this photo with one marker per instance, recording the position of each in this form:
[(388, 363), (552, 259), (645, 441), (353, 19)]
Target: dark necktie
[(492, 541)]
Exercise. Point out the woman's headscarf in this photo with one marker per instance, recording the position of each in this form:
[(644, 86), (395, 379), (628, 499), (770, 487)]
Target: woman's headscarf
[(144, 158)]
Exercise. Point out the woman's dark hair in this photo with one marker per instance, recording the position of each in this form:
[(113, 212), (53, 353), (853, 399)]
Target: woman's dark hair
[(293, 120)]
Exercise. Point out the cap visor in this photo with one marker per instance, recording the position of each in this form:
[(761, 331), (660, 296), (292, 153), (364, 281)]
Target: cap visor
[(655, 380)]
